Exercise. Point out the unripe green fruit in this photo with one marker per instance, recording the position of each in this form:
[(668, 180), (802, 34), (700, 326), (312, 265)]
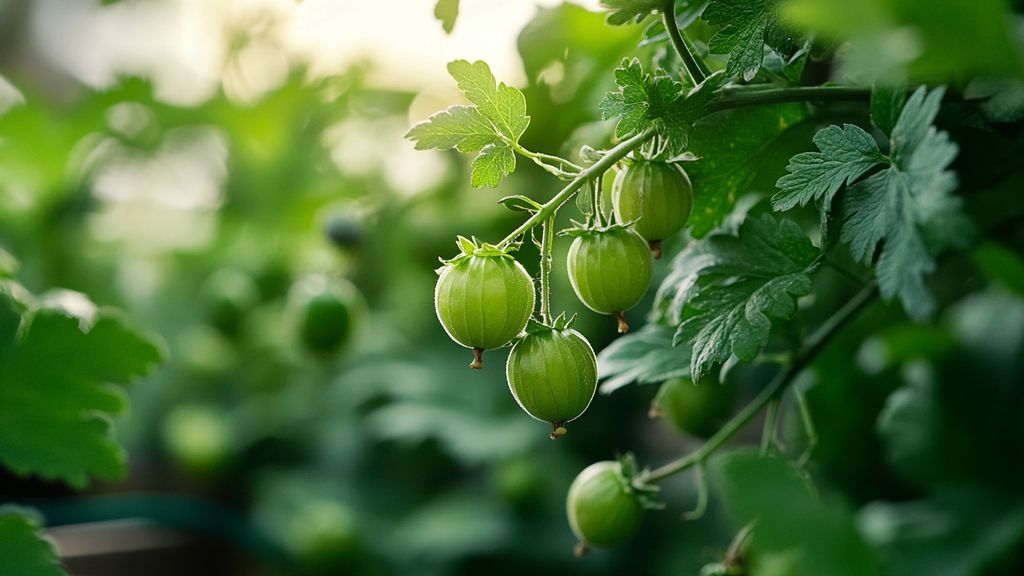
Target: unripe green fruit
[(199, 438), (603, 511), (698, 410), (228, 295), (327, 310), (553, 376), (657, 195), (484, 302), (610, 271), (343, 230)]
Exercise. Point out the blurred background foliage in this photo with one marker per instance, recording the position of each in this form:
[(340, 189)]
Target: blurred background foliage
[(203, 216)]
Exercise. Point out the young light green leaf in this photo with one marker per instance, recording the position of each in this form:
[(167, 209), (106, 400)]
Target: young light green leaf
[(729, 288), (492, 126), (24, 550), (503, 105), (746, 26), (493, 163), (447, 11), (646, 356), (845, 154), (60, 387), (461, 127), (630, 11), (520, 203)]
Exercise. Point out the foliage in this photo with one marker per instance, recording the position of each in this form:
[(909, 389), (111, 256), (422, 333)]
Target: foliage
[(796, 533), (726, 289), (645, 101), (447, 11), (60, 368), (909, 204), (492, 126), (24, 551), (876, 338), (746, 28)]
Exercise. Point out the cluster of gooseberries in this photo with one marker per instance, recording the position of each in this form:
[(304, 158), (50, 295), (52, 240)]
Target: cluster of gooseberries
[(486, 299)]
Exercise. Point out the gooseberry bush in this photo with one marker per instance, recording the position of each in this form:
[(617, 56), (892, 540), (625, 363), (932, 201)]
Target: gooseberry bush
[(872, 204)]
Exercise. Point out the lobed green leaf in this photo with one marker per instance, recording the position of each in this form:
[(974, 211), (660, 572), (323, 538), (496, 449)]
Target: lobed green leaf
[(645, 356), (846, 153), (493, 163), (725, 290), (906, 209), (746, 26), (461, 127), (61, 379), (503, 105), (23, 548)]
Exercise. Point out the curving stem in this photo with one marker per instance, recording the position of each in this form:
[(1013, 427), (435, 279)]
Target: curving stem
[(693, 67), (818, 341)]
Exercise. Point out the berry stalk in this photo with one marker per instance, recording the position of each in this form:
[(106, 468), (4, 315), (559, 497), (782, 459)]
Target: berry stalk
[(565, 194)]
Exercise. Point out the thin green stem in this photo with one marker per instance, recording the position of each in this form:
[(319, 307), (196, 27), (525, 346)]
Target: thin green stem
[(596, 169), (547, 241), (556, 165), (736, 98), (595, 193), (843, 271), (734, 554), (815, 344), (808, 422), (559, 160), (770, 420), (690, 62), (702, 496)]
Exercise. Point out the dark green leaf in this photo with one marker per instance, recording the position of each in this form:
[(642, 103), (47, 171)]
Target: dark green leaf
[(24, 550), (907, 426), (961, 532), (646, 356), (730, 145), (886, 103), (815, 537), (746, 25), (908, 204), (901, 204), (447, 11), (1000, 265), (845, 154), (729, 288)]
